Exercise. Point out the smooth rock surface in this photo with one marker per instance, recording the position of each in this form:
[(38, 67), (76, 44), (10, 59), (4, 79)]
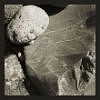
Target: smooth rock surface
[(64, 43), (30, 22)]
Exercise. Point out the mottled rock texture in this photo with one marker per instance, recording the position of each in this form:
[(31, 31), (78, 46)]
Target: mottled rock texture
[(10, 11), (14, 77), (29, 22)]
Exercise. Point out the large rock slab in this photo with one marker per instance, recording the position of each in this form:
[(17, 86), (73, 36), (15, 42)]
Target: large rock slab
[(64, 43), (14, 77)]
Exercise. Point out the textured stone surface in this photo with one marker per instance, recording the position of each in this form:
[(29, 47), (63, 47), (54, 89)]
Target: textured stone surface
[(14, 77), (68, 85), (28, 24), (13, 68), (10, 11), (65, 42), (87, 87)]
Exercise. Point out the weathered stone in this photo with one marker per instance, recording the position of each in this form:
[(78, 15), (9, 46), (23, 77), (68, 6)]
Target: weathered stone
[(59, 3), (28, 24), (91, 88), (10, 11), (65, 42), (68, 84), (14, 77), (86, 77)]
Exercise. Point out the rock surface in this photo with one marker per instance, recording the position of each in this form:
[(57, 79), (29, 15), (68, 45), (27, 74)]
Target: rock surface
[(10, 11), (64, 43), (14, 77), (88, 88), (29, 22), (91, 87), (52, 60)]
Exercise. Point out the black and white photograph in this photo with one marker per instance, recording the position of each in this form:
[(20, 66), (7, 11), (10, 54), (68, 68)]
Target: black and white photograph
[(50, 50)]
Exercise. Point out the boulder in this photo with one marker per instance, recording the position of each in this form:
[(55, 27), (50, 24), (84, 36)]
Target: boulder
[(29, 22)]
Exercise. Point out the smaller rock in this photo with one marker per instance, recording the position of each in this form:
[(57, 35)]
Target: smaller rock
[(28, 24), (14, 76), (68, 84)]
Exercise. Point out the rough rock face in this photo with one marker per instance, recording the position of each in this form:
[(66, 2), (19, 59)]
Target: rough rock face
[(10, 11), (58, 3), (29, 22), (14, 77), (65, 42), (68, 84)]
